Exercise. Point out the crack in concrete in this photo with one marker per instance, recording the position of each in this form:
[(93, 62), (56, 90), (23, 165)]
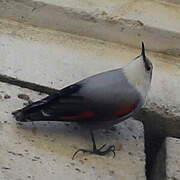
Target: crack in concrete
[(28, 85)]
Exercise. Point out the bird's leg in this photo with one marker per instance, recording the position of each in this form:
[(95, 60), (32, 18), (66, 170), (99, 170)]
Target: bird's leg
[(98, 151)]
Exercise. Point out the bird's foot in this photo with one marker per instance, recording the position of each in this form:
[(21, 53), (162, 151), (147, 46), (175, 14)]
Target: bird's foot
[(99, 151)]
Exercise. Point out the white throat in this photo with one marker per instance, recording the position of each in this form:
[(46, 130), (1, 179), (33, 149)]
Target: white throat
[(137, 76)]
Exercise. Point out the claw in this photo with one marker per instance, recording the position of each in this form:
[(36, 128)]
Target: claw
[(102, 147), (79, 150), (97, 151), (110, 149)]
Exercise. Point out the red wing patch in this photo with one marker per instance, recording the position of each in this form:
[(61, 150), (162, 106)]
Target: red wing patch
[(85, 114), (122, 110)]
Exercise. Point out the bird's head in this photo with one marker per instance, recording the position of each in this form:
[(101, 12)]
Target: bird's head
[(142, 65), (139, 72), (147, 63)]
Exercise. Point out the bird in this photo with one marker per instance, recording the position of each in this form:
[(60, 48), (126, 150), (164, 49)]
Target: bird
[(98, 101)]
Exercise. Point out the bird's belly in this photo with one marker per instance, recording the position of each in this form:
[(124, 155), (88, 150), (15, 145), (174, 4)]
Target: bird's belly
[(109, 120), (99, 124)]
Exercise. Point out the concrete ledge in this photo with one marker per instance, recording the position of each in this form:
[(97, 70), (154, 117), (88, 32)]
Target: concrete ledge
[(159, 120), (124, 22), (43, 150)]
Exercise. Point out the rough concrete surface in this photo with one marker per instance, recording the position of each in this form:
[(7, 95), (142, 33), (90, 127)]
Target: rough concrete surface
[(44, 150), (173, 158), (58, 59), (172, 2), (11, 99), (127, 22)]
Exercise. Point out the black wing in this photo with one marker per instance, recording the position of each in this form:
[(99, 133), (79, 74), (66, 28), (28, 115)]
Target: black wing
[(64, 105), (65, 92)]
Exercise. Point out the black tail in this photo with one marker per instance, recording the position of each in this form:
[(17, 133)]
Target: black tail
[(48, 108), (24, 116), (33, 112), (19, 115)]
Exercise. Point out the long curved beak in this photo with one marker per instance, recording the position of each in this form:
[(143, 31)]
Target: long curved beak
[(143, 51), (144, 57)]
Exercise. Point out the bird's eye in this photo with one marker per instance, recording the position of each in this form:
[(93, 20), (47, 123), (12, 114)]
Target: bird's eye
[(148, 68)]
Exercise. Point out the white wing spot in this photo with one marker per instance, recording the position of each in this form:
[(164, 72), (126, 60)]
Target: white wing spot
[(45, 114)]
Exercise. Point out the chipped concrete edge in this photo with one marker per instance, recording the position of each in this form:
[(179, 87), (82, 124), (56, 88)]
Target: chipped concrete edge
[(162, 122), (96, 25), (28, 85)]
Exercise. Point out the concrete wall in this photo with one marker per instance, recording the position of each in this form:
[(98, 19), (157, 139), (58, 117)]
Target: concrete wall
[(127, 22)]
